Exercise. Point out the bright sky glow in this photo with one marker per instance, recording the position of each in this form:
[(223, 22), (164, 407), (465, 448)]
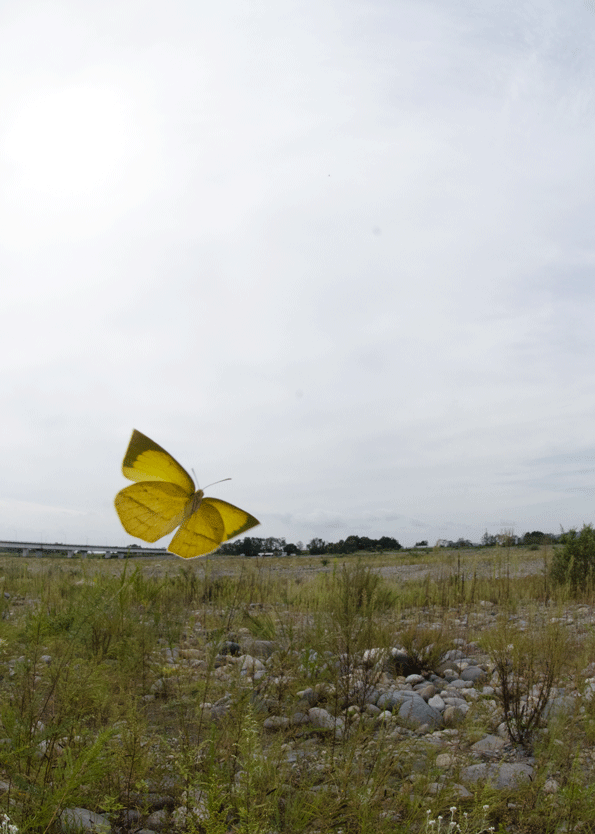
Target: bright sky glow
[(340, 251)]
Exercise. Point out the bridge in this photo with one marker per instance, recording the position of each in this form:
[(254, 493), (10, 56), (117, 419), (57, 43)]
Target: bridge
[(82, 550)]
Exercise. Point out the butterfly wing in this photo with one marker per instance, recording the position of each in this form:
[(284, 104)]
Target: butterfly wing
[(145, 460), (151, 510), (214, 522)]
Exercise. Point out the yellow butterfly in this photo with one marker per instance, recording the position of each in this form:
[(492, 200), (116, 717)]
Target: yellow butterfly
[(165, 497)]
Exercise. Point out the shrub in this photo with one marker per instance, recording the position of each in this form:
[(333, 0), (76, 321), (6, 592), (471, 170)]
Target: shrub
[(574, 562), (529, 664)]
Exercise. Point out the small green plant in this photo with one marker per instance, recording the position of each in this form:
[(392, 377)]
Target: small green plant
[(465, 824), (424, 646), (6, 827)]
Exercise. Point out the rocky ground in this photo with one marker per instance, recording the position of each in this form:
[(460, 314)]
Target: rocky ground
[(426, 722)]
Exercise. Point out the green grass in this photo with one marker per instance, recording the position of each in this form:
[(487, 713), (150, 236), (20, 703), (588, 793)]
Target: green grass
[(108, 677)]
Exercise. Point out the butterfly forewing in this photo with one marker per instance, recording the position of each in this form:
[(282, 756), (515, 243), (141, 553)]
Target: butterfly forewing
[(145, 460), (151, 510)]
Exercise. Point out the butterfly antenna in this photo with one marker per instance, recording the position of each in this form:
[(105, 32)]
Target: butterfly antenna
[(217, 482)]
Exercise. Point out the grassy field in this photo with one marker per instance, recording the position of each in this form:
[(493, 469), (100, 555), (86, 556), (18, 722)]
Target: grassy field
[(117, 695)]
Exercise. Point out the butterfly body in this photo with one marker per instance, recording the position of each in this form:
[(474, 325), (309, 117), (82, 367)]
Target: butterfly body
[(164, 497)]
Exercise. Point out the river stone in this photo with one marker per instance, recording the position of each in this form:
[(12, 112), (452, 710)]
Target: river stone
[(505, 775), (276, 722), (437, 703), (321, 718), (428, 691), (158, 820), (74, 820), (308, 696), (263, 648), (417, 712), (559, 707), (413, 679), (250, 665), (473, 673), (453, 716), (460, 684), (488, 744)]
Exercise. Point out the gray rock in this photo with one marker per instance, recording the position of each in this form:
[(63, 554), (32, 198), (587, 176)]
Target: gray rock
[(250, 665), (413, 679), (321, 718), (461, 791), (428, 691), (76, 820), (559, 707), (158, 820), (453, 716), (276, 722), (386, 701), (130, 818), (505, 775), (488, 744), (460, 703), (308, 696), (415, 711), (453, 654), (263, 648), (474, 674), (436, 702)]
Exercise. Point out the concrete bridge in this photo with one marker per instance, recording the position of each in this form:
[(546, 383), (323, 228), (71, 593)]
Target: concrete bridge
[(82, 550)]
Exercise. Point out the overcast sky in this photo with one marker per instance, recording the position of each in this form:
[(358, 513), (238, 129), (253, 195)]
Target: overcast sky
[(341, 251)]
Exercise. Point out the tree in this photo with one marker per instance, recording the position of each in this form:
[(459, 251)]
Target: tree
[(250, 546), (536, 537), (317, 547), (388, 543)]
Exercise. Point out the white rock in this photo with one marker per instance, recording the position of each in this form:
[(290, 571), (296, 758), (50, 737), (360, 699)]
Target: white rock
[(437, 702)]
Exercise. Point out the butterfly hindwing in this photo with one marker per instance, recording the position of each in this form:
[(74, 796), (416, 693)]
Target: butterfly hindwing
[(213, 523), (145, 460), (151, 510)]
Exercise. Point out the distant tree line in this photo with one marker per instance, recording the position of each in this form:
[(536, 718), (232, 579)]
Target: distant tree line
[(353, 544), (251, 546), (271, 546), (535, 537)]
